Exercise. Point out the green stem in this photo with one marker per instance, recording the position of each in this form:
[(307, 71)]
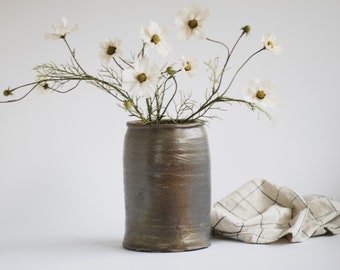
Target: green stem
[(115, 60), (24, 96), (229, 53), (210, 101), (172, 97), (149, 108), (73, 54), (239, 69), (202, 110)]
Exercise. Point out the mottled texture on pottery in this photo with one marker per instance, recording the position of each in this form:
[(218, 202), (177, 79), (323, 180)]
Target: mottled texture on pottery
[(167, 187)]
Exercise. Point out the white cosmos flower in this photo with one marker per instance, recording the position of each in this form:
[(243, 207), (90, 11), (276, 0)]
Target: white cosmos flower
[(262, 93), (61, 31), (270, 43), (142, 79), (189, 65), (110, 48), (154, 36), (190, 22)]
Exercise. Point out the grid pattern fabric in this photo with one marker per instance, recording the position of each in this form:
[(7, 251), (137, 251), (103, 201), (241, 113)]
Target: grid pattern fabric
[(261, 212)]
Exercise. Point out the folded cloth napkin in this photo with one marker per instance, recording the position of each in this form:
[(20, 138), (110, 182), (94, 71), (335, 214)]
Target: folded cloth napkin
[(260, 212)]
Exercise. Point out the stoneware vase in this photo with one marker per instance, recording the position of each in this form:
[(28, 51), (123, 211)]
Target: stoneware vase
[(167, 187)]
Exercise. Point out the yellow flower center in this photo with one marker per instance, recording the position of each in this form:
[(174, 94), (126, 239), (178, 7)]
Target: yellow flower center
[(193, 23), (270, 43), (187, 66), (155, 39), (260, 94), (111, 50), (141, 77)]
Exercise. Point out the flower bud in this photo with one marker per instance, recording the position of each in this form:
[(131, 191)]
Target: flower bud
[(8, 93), (170, 70), (246, 29), (128, 105)]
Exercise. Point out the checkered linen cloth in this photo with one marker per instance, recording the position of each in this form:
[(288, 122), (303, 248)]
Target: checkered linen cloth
[(260, 212)]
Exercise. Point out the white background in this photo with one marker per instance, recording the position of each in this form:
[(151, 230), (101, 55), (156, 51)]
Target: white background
[(61, 186)]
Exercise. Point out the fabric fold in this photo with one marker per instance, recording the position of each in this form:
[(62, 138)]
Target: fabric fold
[(261, 212)]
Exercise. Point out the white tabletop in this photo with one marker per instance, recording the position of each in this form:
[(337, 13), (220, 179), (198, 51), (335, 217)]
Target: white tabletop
[(105, 252)]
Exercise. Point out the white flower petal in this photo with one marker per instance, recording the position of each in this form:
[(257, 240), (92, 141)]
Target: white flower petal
[(153, 27), (203, 15), (51, 36), (75, 28), (64, 22), (163, 49)]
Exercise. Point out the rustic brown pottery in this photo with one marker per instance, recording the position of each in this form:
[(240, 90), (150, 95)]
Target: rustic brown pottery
[(167, 187)]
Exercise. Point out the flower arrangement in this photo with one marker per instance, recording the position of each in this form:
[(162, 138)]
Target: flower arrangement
[(145, 91)]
